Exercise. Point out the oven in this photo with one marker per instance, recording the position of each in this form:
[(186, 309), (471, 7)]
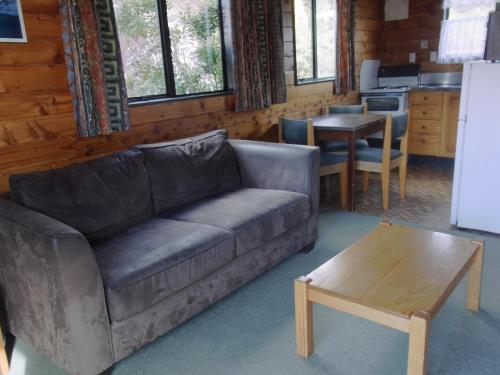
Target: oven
[(384, 103), (395, 103)]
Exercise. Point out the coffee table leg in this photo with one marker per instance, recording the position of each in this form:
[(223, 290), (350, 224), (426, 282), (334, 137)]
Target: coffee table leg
[(303, 318), (4, 363), (474, 292), (418, 342)]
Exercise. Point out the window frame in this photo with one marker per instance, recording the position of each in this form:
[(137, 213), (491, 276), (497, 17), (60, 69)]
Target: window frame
[(168, 67), (315, 79)]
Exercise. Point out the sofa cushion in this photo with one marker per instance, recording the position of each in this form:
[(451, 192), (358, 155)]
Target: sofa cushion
[(99, 198), (254, 215), (190, 169), (152, 260)]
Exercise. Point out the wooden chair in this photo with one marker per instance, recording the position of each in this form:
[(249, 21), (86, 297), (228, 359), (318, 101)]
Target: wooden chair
[(301, 132), (383, 160), (342, 147), (352, 108)]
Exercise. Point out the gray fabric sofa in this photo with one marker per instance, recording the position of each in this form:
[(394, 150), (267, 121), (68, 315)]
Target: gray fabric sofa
[(101, 258)]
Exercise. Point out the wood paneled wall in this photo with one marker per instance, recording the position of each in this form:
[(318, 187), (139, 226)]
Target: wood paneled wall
[(37, 129), (402, 37)]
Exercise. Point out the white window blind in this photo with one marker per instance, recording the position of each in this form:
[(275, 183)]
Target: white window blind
[(463, 32)]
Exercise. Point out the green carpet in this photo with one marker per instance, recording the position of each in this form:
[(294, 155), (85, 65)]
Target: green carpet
[(252, 331)]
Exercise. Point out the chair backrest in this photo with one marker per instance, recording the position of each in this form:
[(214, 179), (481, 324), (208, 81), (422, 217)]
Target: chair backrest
[(297, 132), (348, 109), (395, 127), (399, 125)]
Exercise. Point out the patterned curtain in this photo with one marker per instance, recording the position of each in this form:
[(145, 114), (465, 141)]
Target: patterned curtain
[(95, 71), (259, 57), (346, 23)]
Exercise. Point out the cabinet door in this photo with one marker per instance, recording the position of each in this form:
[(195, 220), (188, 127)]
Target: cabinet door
[(424, 144), (450, 124), (426, 118)]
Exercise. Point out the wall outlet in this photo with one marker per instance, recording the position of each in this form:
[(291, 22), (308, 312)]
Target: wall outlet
[(413, 57), (433, 56), (424, 44)]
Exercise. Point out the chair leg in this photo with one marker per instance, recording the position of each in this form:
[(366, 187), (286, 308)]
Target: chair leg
[(343, 186), (386, 174), (402, 178), (327, 183), (366, 181)]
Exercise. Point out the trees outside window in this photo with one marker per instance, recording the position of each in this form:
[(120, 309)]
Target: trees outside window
[(171, 48), (315, 29)]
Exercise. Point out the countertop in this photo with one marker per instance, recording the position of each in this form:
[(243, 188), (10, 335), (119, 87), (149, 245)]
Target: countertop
[(436, 88)]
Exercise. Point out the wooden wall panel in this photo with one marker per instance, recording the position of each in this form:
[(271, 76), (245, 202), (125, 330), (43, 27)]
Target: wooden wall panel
[(37, 129), (402, 37)]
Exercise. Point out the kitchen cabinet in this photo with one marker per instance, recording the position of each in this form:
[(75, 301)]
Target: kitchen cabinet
[(433, 122), (450, 125)]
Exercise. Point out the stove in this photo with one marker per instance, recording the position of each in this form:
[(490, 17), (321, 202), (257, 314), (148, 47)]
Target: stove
[(385, 88)]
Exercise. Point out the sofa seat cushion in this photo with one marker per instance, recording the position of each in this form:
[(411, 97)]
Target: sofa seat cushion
[(254, 215), (152, 260), (187, 170), (99, 198)]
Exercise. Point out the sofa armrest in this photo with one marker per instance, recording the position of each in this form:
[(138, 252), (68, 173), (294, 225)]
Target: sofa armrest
[(282, 167), (52, 290), (279, 166)]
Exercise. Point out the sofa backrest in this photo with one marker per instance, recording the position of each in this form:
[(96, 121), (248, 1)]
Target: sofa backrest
[(190, 169), (99, 198)]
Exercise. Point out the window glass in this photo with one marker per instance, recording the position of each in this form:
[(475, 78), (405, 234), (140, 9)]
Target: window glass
[(326, 21), (195, 37), (463, 31), (158, 37), (140, 42), (470, 12), (304, 39), (315, 39)]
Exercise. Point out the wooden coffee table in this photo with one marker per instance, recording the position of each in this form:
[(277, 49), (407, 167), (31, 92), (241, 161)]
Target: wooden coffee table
[(4, 364), (395, 276)]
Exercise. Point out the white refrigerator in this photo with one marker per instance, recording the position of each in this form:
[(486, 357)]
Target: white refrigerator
[(476, 182)]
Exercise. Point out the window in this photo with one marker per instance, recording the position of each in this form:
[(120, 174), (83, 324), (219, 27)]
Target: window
[(463, 31), (315, 27), (171, 48)]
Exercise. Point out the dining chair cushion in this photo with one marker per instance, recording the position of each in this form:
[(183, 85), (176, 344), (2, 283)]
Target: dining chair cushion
[(332, 159), (343, 146), (294, 131), (354, 109), (374, 155)]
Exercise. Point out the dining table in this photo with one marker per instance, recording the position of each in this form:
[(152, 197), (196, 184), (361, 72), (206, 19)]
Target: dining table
[(347, 127)]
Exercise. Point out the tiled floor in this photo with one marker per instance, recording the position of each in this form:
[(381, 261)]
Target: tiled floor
[(428, 194)]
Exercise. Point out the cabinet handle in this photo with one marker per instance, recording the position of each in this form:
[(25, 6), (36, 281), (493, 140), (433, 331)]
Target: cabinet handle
[(424, 112), (426, 98), (423, 141), (424, 127)]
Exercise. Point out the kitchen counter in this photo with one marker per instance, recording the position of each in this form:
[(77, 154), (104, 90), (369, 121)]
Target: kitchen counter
[(436, 88)]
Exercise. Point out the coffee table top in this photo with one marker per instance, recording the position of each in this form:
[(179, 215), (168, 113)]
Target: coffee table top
[(397, 269)]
